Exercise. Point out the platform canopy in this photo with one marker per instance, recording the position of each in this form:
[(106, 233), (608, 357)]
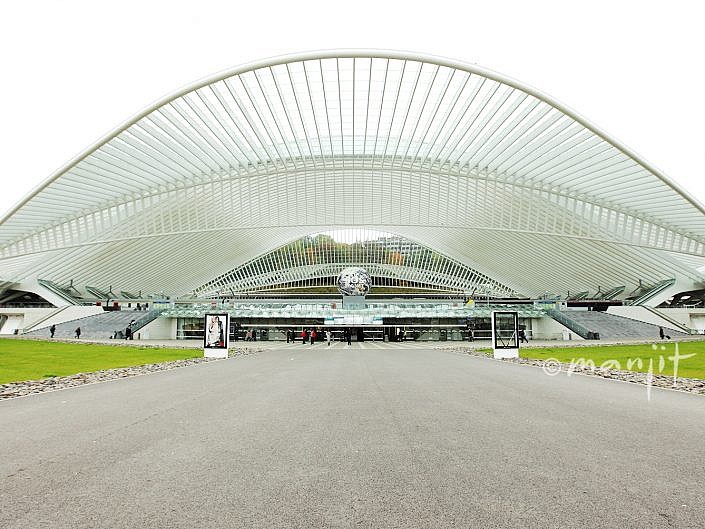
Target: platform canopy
[(494, 174)]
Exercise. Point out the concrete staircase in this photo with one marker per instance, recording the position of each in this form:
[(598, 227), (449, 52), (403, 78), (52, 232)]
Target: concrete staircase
[(612, 327), (99, 326)]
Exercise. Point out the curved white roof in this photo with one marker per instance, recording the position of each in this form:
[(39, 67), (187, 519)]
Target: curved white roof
[(478, 166)]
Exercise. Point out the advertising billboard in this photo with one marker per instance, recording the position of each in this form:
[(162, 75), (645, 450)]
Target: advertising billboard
[(215, 336)]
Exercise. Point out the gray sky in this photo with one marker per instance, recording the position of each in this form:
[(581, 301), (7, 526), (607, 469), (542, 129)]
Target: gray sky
[(73, 70)]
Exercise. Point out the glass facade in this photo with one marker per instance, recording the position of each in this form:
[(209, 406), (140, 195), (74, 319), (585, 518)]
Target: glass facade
[(312, 264), (388, 320)]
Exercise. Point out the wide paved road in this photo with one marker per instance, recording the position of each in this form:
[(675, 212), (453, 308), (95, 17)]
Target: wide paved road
[(374, 438)]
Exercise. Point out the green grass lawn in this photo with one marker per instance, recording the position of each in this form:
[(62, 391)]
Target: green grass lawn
[(693, 367), (34, 359)]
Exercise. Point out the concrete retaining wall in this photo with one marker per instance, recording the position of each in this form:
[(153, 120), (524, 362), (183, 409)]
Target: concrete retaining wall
[(23, 318), (159, 329), (693, 318), (547, 328), (65, 314), (644, 315)]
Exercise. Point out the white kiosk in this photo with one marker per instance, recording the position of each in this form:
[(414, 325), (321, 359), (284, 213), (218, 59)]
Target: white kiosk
[(215, 336), (505, 334)]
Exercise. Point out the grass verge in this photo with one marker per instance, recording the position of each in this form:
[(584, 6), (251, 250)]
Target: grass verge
[(632, 357), (35, 359)]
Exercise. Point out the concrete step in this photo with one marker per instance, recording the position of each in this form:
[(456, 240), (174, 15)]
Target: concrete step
[(612, 327), (99, 326)]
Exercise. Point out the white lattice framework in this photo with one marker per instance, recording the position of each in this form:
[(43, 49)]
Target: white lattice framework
[(480, 167), (317, 261)]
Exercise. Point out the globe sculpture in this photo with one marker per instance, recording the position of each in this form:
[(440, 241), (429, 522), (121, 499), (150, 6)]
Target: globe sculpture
[(354, 281)]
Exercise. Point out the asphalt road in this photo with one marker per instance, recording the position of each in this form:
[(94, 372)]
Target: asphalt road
[(353, 438)]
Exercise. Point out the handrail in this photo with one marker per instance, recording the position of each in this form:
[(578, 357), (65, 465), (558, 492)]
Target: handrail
[(671, 320), (656, 289), (98, 293), (573, 325), (579, 296), (56, 289), (611, 293), (128, 295), (146, 319), (38, 324)]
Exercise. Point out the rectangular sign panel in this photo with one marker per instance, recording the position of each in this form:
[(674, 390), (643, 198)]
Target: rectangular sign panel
[(215, 336), (505, 334)]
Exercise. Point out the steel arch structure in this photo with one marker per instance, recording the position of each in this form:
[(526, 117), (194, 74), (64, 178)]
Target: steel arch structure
[(480, 167), (316, 261)]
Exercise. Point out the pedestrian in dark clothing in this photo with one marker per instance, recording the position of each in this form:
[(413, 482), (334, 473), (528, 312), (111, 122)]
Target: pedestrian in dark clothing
[(128, 333), (522, 336), (288, 336), (661, 334), (78, 332), (348, 335), (52, 330)]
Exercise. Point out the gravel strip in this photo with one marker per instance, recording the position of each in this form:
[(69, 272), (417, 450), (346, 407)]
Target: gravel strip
[(553, 367), (29, 387)]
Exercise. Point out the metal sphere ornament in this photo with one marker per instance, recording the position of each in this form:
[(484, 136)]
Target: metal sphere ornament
[(354, 281)]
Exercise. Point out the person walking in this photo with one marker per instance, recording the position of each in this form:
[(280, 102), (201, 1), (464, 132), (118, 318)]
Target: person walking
[(52, 330), (248, 335), (313, 336), (303, 336), (522, 336), (348, 336), (288, 336), (78, 332), (328, 336), (128, 333), (663, 334)]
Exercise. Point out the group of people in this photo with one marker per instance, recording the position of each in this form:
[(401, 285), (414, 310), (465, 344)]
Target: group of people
[(251, 335), (127, 334), (311, 335)]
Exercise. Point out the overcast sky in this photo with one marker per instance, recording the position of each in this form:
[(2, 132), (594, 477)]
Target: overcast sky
[(73, 70)]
